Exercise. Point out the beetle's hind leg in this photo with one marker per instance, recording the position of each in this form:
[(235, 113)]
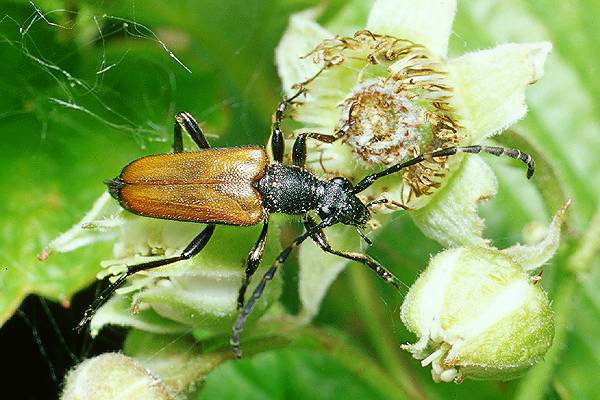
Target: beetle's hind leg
[(185, 121), (254, 258), (195, 246)]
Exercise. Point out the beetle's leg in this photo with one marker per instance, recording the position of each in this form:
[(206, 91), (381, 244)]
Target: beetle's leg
[(326, 138), (299, 150), (195, 246), (254, 258), (449, 151), (258, 291), (185, 121), (321, 240), (277, 141)]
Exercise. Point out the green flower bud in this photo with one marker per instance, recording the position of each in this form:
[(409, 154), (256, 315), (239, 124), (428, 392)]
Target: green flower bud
[(480, 313), (113, 376), (477, 314)]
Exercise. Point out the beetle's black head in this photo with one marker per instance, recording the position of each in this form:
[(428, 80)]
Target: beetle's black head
[(340, 204)]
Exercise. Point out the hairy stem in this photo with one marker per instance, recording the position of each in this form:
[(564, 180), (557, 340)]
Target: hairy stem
[(278, 334), (380, 337), (546, 178), (581, 260), (575, 263)]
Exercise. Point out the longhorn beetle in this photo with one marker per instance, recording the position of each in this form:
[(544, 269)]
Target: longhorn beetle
[(240, 186)]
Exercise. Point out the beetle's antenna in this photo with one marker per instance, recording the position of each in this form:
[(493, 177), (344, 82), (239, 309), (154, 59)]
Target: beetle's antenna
[(449, 151)]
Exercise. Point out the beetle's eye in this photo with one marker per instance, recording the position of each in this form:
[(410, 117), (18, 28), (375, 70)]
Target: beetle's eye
[(343, 182)]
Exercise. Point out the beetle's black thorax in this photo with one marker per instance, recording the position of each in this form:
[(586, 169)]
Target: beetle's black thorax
[(289, 189)]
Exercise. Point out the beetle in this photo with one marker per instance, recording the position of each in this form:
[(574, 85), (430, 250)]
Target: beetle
[(241, 186)]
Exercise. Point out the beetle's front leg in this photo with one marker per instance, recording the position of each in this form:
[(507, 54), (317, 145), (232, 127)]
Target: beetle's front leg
[(277, 140), (259, 289), (299, 150), (320, 239)]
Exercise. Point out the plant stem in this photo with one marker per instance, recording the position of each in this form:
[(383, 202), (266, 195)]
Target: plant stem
[(546, 179), (383, 342), (361, 365), (577, 263), (582, 259), (286, 333), (535, 384)]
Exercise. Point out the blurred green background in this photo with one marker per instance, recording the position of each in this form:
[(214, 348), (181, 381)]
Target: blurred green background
[(88, 86)]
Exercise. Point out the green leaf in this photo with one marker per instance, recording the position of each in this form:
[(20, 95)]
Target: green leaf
[(87, 90), (285, 374), (60, 141), (77, 105), (177, 359)]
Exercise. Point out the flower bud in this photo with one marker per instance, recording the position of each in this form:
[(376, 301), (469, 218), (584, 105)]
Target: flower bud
[(112, 376), (477, 314), (480, 313)]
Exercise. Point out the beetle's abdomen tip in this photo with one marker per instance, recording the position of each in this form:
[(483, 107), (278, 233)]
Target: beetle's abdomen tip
[(114, 187)]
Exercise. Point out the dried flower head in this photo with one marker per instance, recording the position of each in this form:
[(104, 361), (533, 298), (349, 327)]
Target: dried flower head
[(399, 106), (402, 96)]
